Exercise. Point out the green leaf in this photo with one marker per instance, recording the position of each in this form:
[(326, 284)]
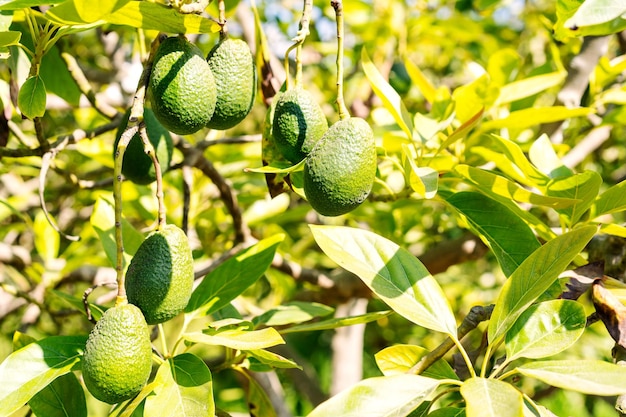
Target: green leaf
[(47, 240), (509, 237), (583, 186), (63, 397), (533, 277), (594, 12), (24, 4), (336, 322), (390, 98), (391, 272), (531, 117), (278, 167), (610, 201), (32, 97), (491, 398), (90, 11), (388, 396), (271, 359), (30, 369), (474, 97), (427, 89), (77, 303), (238, 338), (231, 278), (184, 387), (497, 185), (399, 359), (292, 312), (510, 159), (9, 38), (423, 180), (544, 157), (545, 329), (448, 412), (565, 28), (593, 377), (530, 86), (103, 221)]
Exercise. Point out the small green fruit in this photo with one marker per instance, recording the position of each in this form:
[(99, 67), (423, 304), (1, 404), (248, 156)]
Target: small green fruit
[(182, 87), (137, 166), (118, 355), (235, 76), (298, 124), (340, 170), (159, 279)]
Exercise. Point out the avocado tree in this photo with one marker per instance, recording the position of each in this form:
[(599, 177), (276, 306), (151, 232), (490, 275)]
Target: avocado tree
[(315, 208)]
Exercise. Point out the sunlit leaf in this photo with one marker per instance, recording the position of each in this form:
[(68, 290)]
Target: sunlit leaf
[(391, 272), (258, 401), (530, 86), (545, 329), (63, 397), (233, 276), (543, 156), (399, 359), (509, 237), (423, 180), (491, 398), (423, 84), (593, 377), (533, 277), (391, 99), (47, 240), (594, 12), (583, 186), (271, 359), (510, 159), (10, 37), (497, 185), (184, 388), (474, 97), (30, 369), (389, 396), (530, 117), (610, 201), (32, 97), (238, 339)]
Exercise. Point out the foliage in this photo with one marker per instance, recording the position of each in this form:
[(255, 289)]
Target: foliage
[(499, 184)]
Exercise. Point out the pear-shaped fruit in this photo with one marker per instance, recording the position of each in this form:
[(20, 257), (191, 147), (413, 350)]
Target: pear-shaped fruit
[(298, 124), (181, 87), (137, 166), (159, 279), (235, 77), (340, 170), (118, 355)]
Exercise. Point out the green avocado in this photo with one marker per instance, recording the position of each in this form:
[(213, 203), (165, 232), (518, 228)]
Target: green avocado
[(298, 124), (159, 279), (233, 67), (182, 87), (340, 170), (137, 166), (118, 355)]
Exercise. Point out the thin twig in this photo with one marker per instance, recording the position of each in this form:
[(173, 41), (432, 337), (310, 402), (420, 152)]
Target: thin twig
[(341, 104)]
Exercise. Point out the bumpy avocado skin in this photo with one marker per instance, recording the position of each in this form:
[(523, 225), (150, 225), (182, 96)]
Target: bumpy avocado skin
[(299, 123), (137, 166), (340, 170), (182, 87), (235, 75), (118, 355), (159, 279)]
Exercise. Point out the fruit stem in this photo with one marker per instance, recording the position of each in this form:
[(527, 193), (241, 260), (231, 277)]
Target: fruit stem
[(132, 128), (298, 40), (150, 151), (341, 104), (221, 7)]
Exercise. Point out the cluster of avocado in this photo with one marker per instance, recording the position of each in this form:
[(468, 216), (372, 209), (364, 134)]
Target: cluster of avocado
[(187, 93), (340, 161), (118, 355)]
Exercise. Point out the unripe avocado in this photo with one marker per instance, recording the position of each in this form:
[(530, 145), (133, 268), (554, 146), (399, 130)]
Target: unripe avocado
[(118, 355), (235, 76), (298, 125), (340, 170), (137, 166), (159, 279), (182, 87)]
